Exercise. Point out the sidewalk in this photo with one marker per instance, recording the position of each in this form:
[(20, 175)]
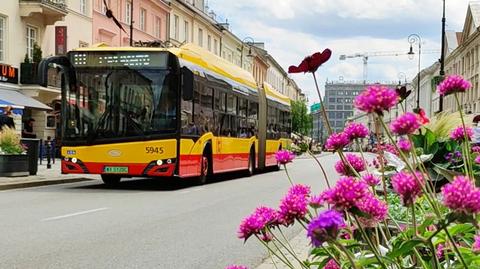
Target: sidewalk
[(299, 243), (44, 176)]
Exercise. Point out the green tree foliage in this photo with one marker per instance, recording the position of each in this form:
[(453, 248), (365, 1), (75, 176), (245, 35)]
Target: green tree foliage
[(302, 121)]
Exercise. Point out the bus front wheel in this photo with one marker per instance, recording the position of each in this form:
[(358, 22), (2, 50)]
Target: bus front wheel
[(202, 178), (111, 180)]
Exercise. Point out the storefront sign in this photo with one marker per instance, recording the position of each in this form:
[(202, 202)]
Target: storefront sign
[(60, 40), (8, 74)]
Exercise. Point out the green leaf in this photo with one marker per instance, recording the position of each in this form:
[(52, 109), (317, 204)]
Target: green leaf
[(430, 138), (433, 149), (460, 228), (405, 247), (418, 141)]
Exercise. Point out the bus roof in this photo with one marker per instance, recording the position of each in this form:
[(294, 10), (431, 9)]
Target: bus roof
[(198, 57), (274, 95)]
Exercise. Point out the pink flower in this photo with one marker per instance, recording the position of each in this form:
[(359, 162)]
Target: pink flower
[(458, 134), (256, 223), (376, 98), (337, 141), (316, 201), (440, 251), (476, 244), (423, 116), (407, 186), (371, 179), (452, 84), (476, 149), (477, 159), (346, 193), (236, 267), (357, 163), (405, 124), (404, 145), (284, 156), (355, 130), (461, 195), (331, 264), (376, 209), (294, 205)]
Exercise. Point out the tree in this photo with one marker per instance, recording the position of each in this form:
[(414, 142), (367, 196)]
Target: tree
[(302, 122)]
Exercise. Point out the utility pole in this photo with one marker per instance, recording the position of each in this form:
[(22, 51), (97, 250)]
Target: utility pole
[(131, 23)]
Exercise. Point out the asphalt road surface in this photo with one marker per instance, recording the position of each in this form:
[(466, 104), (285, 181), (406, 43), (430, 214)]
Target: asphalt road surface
[(143, 223)]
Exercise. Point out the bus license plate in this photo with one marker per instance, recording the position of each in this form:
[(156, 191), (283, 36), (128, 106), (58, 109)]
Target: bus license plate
[(115, 169)]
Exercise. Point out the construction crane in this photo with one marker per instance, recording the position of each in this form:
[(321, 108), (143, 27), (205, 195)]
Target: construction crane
[(366, 55)]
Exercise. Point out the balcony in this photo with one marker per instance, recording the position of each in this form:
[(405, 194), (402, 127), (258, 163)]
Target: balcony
[(50, 11)]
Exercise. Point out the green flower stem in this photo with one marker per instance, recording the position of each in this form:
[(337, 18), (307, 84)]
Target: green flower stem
[(435, 261), (292, 252), (427, 194), (271, 257), (369, 242), (466, 142), (455, 248), (288, 175), (414, 221), (284, 238), (347, 253), (331, 255), (361, 154), (322, 107), (284, 260), (382, 166), (321, 167)]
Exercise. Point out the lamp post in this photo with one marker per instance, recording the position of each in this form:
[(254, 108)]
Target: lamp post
[(412, 39), (442, 56), (249, 41)]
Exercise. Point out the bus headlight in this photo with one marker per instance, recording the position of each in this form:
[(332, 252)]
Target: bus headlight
[(74, 160), (159, 162), (169, 161)]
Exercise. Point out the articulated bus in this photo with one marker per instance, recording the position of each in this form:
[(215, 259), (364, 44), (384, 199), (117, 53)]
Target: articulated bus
[(162, 112)]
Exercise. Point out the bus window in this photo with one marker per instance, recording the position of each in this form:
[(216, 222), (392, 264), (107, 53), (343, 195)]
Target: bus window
[(220, 103), (252, 110), (204, 112), (242, 107), (231, 104)]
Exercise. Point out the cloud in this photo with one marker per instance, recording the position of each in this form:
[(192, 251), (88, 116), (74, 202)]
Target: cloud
[(292, 30)]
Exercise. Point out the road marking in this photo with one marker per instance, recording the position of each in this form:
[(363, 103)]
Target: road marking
[(75, 214)]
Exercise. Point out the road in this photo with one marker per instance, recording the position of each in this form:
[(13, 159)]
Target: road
[(142, 223)]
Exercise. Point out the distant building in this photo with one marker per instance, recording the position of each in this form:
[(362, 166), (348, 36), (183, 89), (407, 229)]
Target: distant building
[(316, 113)]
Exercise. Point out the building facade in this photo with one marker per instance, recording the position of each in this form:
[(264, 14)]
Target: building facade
[(464, 60), (150, 21)]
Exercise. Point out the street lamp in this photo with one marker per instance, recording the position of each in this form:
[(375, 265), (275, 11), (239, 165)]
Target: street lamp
[(249, 41), (412, 39), (442, 57)]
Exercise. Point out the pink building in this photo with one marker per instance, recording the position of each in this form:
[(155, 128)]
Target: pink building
[(150, 19)]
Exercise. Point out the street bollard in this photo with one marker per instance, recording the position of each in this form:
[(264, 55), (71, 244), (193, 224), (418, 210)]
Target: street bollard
[(48, 145)]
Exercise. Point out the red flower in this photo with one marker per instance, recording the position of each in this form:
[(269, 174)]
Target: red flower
[(422, 116), (311, 63)]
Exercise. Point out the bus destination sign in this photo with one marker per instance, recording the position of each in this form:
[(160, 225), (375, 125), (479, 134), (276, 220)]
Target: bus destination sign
[(119, 59)]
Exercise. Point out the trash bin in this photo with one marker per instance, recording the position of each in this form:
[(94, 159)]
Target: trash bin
[(33, 145)]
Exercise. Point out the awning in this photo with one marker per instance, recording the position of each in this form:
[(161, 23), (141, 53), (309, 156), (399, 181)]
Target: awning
[(16, 98)]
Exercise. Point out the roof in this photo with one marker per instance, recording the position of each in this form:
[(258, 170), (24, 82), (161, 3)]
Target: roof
[(200, 57), (475, 9), (274, 95)]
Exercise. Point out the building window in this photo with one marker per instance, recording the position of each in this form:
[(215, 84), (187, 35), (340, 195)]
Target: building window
[(200, 37), (215, 46), (209, 43), (185, 26), (175, 27), (143, 17), (128, 12), (31, 40), (158, 26), (2, 39), (104, 7), (83, 6)]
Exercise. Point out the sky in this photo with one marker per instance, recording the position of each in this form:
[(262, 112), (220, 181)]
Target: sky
[(294, 29)]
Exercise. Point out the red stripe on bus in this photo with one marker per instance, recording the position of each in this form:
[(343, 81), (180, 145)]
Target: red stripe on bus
[(133, 169)]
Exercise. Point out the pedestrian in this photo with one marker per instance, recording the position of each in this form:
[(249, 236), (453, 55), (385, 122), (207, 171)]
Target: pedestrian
[(6, 118), (28, 129)]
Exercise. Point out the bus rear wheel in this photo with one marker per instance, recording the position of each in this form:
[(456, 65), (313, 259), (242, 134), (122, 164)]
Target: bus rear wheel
[(251, 164), (111, 180)]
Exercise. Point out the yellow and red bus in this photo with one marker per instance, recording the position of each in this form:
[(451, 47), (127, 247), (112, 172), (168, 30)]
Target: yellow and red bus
[(162, 112)]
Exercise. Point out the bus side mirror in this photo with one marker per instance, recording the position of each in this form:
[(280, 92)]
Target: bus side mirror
[(187, 84), (63, 61)]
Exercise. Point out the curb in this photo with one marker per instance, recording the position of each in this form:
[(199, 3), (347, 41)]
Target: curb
[(37, 183)]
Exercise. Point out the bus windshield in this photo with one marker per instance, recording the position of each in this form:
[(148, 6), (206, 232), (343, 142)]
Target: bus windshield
[(112, 103)]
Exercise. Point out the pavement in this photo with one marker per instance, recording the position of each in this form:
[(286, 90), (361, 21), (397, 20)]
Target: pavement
[(43, 177)]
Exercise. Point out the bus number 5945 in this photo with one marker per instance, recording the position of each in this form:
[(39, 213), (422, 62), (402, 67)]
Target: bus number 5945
[(153, 150)]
